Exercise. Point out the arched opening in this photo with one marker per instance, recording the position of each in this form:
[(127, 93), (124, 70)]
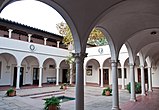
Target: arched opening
[(30, 70), (49, 71), (93, 72), (107, 71), (65, 72), (7, 64)]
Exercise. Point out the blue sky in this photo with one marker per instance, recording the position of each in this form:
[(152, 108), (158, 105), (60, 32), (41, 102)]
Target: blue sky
[(33, 13)]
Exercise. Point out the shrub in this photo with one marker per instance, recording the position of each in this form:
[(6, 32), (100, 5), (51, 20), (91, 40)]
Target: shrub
[(9, 91), (106, 89), (137, 87), (52, 101)]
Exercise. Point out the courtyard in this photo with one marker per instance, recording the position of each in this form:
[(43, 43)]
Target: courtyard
[(32, 99)]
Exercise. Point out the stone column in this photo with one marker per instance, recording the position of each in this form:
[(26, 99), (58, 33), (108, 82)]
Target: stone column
[(79, 59), (58, 44), (71, 73), (132, 83), (40, 76), (29, 37), (85, 75), (142, 81), (150, 79), (57, 75), (101, 77), (45, 41), (123, 78), (115, 98), (10, 33), (18, 78)]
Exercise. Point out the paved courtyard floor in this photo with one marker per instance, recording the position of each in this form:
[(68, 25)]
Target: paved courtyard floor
[(32, 99)]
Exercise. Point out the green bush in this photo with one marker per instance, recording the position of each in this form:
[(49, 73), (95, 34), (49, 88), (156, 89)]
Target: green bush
[(106, 89), (10, 90), (137, 87), (52, 101)]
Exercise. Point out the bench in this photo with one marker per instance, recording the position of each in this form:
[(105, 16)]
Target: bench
[(51, 79)]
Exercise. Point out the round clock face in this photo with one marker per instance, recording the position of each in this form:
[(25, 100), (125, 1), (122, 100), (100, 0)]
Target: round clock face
[(100, 50), (32, 47)]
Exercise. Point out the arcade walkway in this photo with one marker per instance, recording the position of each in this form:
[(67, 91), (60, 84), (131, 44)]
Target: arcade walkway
[(149, 102)]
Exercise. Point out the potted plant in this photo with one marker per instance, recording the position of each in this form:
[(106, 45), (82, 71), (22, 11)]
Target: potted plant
[(137, 87), (11, 92), (64, 86), (107, 91), (52, 103)]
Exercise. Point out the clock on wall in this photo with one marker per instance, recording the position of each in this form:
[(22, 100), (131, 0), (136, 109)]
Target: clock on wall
[(32, 47), (100, 50)]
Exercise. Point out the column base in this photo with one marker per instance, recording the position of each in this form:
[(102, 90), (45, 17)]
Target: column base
[(150, 90), (101, 86), (116, 108), (57, 84), (40, 86), (144, 94), (17, 88), (133, 100)]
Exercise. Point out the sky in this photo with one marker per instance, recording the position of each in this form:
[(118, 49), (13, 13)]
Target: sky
[(33, 13)]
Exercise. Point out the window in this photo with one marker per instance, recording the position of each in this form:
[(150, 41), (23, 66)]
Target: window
[(119, 73), (0, 69), (51, 66), (89, 70)]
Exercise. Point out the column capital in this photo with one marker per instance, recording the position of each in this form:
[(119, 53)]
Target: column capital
[(58, 41), (114, 61), (57, 67), (10, 30), (45, 38), (131, 64), (141, 66), (40, 66), (18, 66), (29, 35), (101, 67), (149, 67), (79, 56)]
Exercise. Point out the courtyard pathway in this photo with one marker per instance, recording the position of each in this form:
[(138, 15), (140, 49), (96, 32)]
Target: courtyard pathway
[(31, 99)]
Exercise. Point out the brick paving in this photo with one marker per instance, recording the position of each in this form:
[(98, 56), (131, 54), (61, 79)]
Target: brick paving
[(93, 99)]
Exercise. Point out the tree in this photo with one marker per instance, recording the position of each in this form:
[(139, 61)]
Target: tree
[(96, 37), (65, 31), (71, 71)]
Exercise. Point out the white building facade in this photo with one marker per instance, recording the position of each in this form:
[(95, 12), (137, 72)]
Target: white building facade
[(39, 64)]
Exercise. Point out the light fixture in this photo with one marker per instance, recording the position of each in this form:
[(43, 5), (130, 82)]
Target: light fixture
[(28, 67), (153, 33), (8, 67)]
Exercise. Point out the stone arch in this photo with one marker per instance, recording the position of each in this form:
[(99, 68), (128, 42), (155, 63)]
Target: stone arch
[(65, 72), (126, 63), (49, 70), (64, 14), (8, 62), (93, 71), (30, 66), (8, 56), (113, 51), (106, 63)]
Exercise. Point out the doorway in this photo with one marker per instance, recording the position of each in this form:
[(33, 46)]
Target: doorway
[(35, 76), (64, 75), (106, 76), (15, 76), (146, 75)]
